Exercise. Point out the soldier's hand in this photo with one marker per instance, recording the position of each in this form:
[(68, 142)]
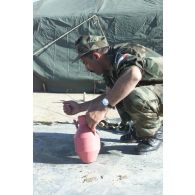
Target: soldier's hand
[(71, 107), (94, 117)]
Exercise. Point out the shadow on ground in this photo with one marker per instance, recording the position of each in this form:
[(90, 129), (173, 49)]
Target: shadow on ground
[(124, 148), (58, 148), (54, 148)]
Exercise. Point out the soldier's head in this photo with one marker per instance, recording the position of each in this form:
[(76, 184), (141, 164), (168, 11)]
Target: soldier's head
[(91, 50)]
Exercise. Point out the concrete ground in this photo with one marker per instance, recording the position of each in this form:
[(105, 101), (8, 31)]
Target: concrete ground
[(59, 171)]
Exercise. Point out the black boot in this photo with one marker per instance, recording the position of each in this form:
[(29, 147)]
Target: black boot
[(151, 143), (129, 137)]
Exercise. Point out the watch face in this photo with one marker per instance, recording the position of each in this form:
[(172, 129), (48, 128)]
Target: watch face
[(105, 102)]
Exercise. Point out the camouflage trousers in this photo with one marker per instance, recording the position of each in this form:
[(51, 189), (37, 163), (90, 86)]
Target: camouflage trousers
[(144, 108)]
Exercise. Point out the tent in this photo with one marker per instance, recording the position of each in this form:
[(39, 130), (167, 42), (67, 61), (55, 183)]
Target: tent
[(58, 23)]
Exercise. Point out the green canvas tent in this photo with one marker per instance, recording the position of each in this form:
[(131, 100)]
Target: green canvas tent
[(58, 23)]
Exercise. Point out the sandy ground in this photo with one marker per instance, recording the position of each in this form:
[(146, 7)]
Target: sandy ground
[(48, 107)]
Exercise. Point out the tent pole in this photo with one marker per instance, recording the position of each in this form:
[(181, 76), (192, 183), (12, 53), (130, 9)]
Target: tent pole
[(52, 42)]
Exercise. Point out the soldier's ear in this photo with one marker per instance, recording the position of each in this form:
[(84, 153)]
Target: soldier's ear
[(96, 55)]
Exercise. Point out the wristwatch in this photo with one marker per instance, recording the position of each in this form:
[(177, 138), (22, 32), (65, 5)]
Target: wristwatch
[(106, 103)]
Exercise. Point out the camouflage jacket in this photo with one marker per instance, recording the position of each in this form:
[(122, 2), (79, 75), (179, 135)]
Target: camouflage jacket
[(149, 62)]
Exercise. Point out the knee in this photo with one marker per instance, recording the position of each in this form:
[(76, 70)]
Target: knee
[(136, 105), (142, 100)]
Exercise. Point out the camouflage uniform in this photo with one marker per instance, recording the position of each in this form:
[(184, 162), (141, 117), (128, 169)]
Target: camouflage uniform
[(144, 104)]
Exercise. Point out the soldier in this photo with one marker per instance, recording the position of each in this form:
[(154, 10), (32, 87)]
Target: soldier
[(133, 75)]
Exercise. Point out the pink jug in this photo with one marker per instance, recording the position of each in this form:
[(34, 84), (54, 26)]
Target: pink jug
[(87, 143)]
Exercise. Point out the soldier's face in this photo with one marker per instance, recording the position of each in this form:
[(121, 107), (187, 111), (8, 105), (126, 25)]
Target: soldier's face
[(92, 65)]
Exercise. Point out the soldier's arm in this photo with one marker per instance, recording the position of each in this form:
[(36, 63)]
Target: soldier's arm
[(124, 85), (92, 104)]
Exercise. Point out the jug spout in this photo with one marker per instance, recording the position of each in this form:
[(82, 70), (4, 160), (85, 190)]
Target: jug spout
[(82, 120)]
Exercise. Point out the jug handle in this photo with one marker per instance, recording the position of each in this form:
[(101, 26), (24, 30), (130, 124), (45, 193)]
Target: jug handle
[(76, 123)]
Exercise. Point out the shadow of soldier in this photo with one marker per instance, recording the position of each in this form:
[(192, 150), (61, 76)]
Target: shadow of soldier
[(125, 148)]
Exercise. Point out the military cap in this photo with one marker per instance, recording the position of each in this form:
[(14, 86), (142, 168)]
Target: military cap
[(88, 43)]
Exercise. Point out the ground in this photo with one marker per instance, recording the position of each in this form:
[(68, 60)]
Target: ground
[(58, 170)]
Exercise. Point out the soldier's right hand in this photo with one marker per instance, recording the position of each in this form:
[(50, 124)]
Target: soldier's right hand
[(71, 107)]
